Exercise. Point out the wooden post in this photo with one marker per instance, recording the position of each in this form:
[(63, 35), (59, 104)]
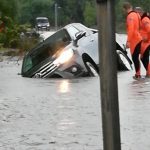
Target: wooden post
[(108, 74)]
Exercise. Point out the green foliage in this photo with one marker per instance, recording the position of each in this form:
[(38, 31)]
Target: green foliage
[(9, 31), (27, 43), (25, 11), (142, 3), (120, 17), (70, 11), (10, 37), (90, 13), (9, 8), (14, 13), (32, 9)]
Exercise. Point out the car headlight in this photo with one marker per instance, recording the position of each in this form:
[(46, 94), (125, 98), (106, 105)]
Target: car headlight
[(64, 57)]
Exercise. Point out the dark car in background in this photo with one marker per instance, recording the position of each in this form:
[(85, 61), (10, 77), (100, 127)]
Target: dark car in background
[(70, 52), (42, 23)]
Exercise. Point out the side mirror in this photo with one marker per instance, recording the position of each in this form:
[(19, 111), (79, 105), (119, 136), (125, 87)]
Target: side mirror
[(78, 35)]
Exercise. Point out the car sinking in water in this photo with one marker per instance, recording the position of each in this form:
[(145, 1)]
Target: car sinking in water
[(70, 52)]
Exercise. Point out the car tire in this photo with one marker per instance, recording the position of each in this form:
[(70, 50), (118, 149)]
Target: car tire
[(91, 69), (124, 63)]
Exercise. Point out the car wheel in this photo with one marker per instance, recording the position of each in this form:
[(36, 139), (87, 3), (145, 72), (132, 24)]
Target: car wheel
[(123, 62), (91, 69)]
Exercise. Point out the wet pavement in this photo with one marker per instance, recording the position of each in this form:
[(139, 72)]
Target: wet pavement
[(62, 114)]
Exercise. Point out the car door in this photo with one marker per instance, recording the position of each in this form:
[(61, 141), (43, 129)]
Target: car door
[(89, 43)]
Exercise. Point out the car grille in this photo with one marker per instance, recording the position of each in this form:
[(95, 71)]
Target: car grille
[(46, 70)]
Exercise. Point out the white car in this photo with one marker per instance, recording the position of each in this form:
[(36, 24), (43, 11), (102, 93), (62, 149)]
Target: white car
[(70, 52)]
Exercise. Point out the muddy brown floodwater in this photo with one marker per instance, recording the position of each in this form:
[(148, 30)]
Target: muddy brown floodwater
[(63, 114)]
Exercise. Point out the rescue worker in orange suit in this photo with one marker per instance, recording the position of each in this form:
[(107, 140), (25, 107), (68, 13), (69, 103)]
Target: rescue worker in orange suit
[(133, 36), (145, 45)]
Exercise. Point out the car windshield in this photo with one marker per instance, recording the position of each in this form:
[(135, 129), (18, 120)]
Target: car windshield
[(42, 20), (47, 49)]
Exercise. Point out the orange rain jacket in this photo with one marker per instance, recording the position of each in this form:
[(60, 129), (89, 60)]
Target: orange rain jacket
[(133, 30), (145, 33)]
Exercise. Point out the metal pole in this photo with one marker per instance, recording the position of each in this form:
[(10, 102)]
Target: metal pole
[(108, 75), (56, 16)]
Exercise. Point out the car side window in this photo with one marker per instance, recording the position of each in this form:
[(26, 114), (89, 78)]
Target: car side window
[(61, 35), (27, 64)]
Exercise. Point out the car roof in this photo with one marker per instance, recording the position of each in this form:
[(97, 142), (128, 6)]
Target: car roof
[(74, 24), (41, 18)]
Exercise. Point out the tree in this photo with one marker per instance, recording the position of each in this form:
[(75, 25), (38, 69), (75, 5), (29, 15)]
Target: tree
[(90, 13), (35, 8), (71, 10), (9, 8), (83, 11)]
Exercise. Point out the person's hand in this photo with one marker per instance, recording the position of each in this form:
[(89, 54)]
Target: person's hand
[(127, 44)]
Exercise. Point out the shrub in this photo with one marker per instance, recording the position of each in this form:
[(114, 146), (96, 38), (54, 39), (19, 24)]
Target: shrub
[(14, 43)]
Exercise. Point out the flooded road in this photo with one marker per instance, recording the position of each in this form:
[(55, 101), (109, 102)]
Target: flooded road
[(61, 114)]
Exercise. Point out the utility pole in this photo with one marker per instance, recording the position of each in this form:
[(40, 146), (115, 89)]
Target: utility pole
[(56, 16), (108, 75)]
